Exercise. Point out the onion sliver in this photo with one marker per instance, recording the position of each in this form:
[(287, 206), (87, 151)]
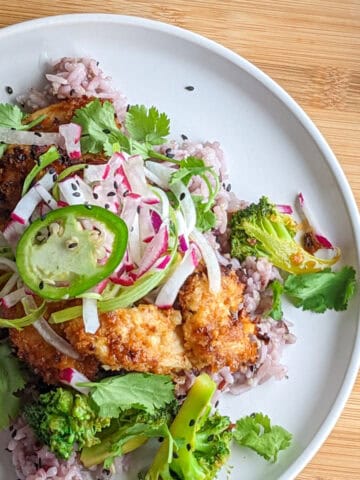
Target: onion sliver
[(90, 315), (47, 333), (9, 285), (13, 298), (211, 262), (169, 291), (20, 137)]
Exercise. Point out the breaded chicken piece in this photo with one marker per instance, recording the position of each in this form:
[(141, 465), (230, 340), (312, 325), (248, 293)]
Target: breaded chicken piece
[(44, 359), (216, 333), (18, 160), (140, 339)]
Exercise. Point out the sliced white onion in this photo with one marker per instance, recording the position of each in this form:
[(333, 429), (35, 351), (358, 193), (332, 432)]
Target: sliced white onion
[(13, 298), (47, 333), (146, 227), (9, 285), (7, 264), (155, 179), (153, 251), (19, 137), (162, 172), (134, 170), (186, 204), (71, 377), (90, 315), (71, 133), (211, 262), (169, 291), (165, 204)]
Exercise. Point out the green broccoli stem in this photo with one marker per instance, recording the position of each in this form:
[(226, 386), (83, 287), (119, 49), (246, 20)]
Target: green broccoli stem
[(97, 454), (184, 427)]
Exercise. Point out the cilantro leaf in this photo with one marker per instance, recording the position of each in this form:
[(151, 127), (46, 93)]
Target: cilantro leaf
[(12, 117), (322, 290), (205, 217), (276, 311), (189, 167), (11, 380), (147, 126), (97, 121), (256, 432), (141, 391)]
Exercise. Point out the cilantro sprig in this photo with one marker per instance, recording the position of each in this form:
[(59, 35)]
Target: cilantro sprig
[(143, 391), (12, 117), (12, 380), (256, 432), (100, 132)]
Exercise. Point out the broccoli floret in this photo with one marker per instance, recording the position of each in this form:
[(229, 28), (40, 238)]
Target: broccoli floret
[(202, 440), (61, 418), (128, 432), (260, 230)]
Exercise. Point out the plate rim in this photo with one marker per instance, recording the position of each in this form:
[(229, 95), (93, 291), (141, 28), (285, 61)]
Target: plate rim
[(333, 164)]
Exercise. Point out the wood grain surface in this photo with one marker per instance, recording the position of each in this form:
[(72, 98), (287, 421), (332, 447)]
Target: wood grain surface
[(312, 49)]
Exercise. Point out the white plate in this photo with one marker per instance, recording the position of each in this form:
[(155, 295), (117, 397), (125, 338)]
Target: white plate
[(272, 148)]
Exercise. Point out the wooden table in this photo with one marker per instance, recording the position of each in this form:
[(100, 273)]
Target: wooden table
[(312, 49)]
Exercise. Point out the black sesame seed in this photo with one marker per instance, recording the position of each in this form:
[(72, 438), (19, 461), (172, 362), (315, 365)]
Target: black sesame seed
[(95, 195), (126, 193), (168, 150), (189, 88), (38, 134), (106, 130), (210, 438), (128, 107), (192, 422), (188, 447), (13, 433), (138, 209), (73, 245), (184, 137), (182, 196), (175, 455), (77, 183), (12, 128), (9, 90), (161, 439), (111, 194), (54, 177), (7, 449), (41, 285), (51, 170), (73, 186), (76, 194), (116, 186), (228, 188), (216, 403), (131, 229), (170, 155), (72, 92), (107, 206)]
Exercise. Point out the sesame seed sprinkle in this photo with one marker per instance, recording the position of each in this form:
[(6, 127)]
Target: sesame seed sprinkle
[(189, 88), (9, 90), (76, 194)]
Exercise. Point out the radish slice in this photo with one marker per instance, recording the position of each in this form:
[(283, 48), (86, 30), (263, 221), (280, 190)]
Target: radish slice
[(71, 133), (135, 174), (75, 191), (19, 137), (7, 264), (26, 206), (308, 217), (134, 240), (163, 262), (13, 298), (169, 291), (158, 245), (186, 204), (287, 209), (94, 173), (46, 197), (182, 232), (71, 377), (145, 224), (90, 315), (211, 262), (13, 232)]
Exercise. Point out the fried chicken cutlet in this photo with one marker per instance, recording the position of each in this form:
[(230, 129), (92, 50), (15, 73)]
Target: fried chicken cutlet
[(140, 339), (217, 333)]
